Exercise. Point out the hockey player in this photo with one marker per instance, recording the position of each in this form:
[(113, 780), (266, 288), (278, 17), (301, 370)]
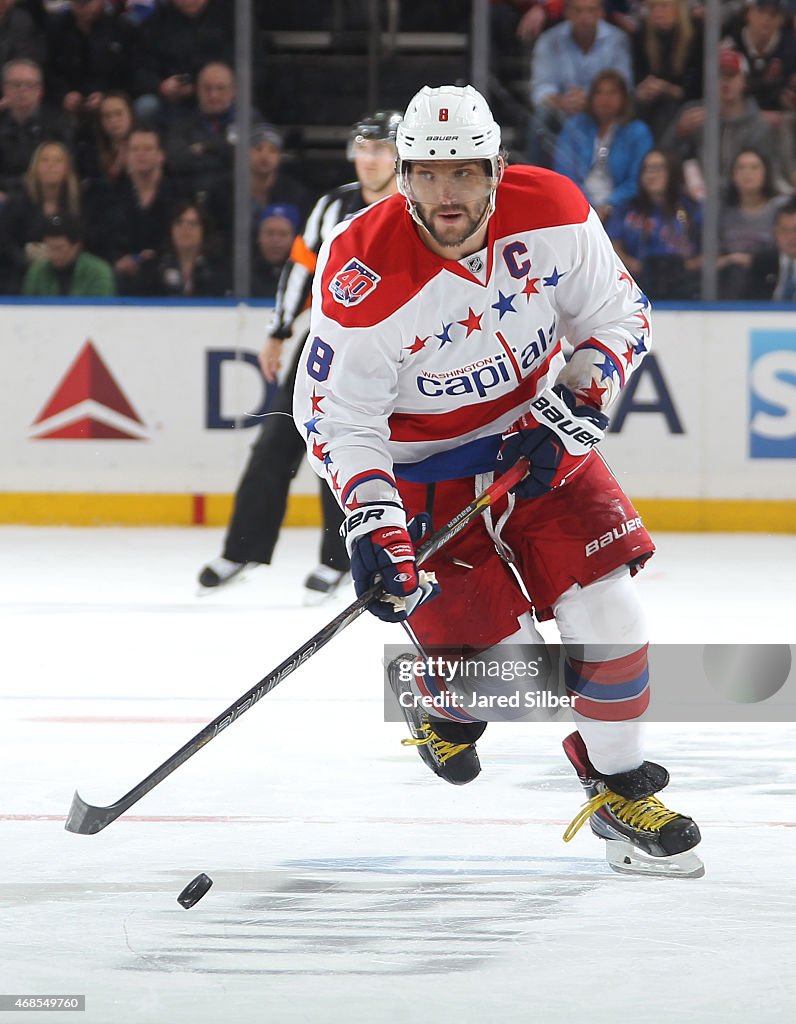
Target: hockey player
[(434, 358), (261, 497)]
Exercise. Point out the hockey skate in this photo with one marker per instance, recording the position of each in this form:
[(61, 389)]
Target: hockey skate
[(642, 836), (321, 583), (448, 748), (220, 571)]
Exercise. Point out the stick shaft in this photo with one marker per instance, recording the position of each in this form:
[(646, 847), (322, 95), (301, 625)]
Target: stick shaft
[(87, 819)]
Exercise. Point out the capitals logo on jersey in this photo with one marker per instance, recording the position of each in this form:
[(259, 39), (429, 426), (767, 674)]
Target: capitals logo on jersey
[(353, 283)]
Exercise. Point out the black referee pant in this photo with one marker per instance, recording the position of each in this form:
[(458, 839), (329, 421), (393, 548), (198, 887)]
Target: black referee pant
[(261, 497)]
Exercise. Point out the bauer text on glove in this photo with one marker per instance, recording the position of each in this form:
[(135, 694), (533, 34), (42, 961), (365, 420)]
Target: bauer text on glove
[(555, 436)]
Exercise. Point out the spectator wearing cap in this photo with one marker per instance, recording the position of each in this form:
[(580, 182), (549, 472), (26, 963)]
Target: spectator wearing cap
[(25, 122), (187, 269), (200, 144), (268, 181), (19, 35), (770, 53), (740, 126), (90, 54), (65, 268), (278, 226)]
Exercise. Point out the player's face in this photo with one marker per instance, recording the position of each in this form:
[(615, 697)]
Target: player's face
[(374, 161), (451, 197)]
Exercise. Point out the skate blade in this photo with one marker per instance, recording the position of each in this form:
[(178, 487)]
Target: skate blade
[(238, 577), (627, 860)]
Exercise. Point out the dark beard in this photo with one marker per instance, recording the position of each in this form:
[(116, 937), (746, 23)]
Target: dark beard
[(474, 224)]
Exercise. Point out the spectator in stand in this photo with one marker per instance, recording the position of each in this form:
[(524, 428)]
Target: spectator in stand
[(785, 153), (278, 227), (175, 44), (24, 122), (136, 11), (773, 271), (601, 149), (269, 183), (130, 226), (90, 54), (65, 268), (50, 188), (565, 60), (515, 25), (200, 144), (104, 157), (657, 233), (770, 51), (667, 62), (746, 221), (19, 35), (741, 126), (186, 269)]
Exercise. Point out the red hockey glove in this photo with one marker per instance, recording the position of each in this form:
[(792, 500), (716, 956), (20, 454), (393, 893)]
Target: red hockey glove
[(555, 436), (387, 555)]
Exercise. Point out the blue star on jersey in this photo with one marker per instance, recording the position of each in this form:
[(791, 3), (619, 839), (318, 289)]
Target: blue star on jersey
[(553, 279), (503, 304), (608, 368), (445, 338), (310, 425)]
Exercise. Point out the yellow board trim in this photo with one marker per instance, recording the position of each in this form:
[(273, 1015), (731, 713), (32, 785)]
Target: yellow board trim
[(64, 509)]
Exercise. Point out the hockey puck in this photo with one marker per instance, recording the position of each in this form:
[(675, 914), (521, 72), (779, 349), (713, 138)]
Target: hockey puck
[(194, 891)]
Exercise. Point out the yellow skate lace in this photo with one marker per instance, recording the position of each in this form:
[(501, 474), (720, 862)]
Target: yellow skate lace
[(648, 813), (443, 750)]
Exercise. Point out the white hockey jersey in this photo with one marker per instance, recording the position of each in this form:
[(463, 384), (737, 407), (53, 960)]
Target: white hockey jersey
[(415, 365)]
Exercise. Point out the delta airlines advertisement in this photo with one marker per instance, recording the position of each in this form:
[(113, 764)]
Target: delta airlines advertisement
[(165, 400)]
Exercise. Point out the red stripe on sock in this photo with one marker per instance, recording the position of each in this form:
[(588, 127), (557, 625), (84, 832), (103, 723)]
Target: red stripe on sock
[(619, 670)]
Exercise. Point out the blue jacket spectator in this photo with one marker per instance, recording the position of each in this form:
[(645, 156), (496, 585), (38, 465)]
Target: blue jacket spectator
[(601, 150)]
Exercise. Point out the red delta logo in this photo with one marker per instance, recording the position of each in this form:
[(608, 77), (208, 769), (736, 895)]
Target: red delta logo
[(88, 404)]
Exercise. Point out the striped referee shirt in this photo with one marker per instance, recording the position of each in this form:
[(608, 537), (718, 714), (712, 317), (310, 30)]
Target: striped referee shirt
[(295, 282)]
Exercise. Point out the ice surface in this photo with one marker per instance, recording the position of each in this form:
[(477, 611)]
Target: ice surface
[(350, 884)]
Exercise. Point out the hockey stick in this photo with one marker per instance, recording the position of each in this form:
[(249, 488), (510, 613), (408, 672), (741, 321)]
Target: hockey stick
[(86, 819)]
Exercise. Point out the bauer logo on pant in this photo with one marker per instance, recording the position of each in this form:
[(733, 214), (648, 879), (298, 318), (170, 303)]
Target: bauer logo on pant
[(353, 283)]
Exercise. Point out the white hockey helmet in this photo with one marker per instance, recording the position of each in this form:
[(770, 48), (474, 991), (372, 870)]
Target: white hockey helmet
[(450, 122)]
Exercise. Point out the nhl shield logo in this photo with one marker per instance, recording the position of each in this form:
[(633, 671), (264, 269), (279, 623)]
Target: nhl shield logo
[(353, 283)]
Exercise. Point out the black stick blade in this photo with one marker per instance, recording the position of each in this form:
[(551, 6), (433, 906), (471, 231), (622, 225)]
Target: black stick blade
[(87, 820)]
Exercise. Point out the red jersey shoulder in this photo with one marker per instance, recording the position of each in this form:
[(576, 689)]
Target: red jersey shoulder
[(375, 266), (533, 197)]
